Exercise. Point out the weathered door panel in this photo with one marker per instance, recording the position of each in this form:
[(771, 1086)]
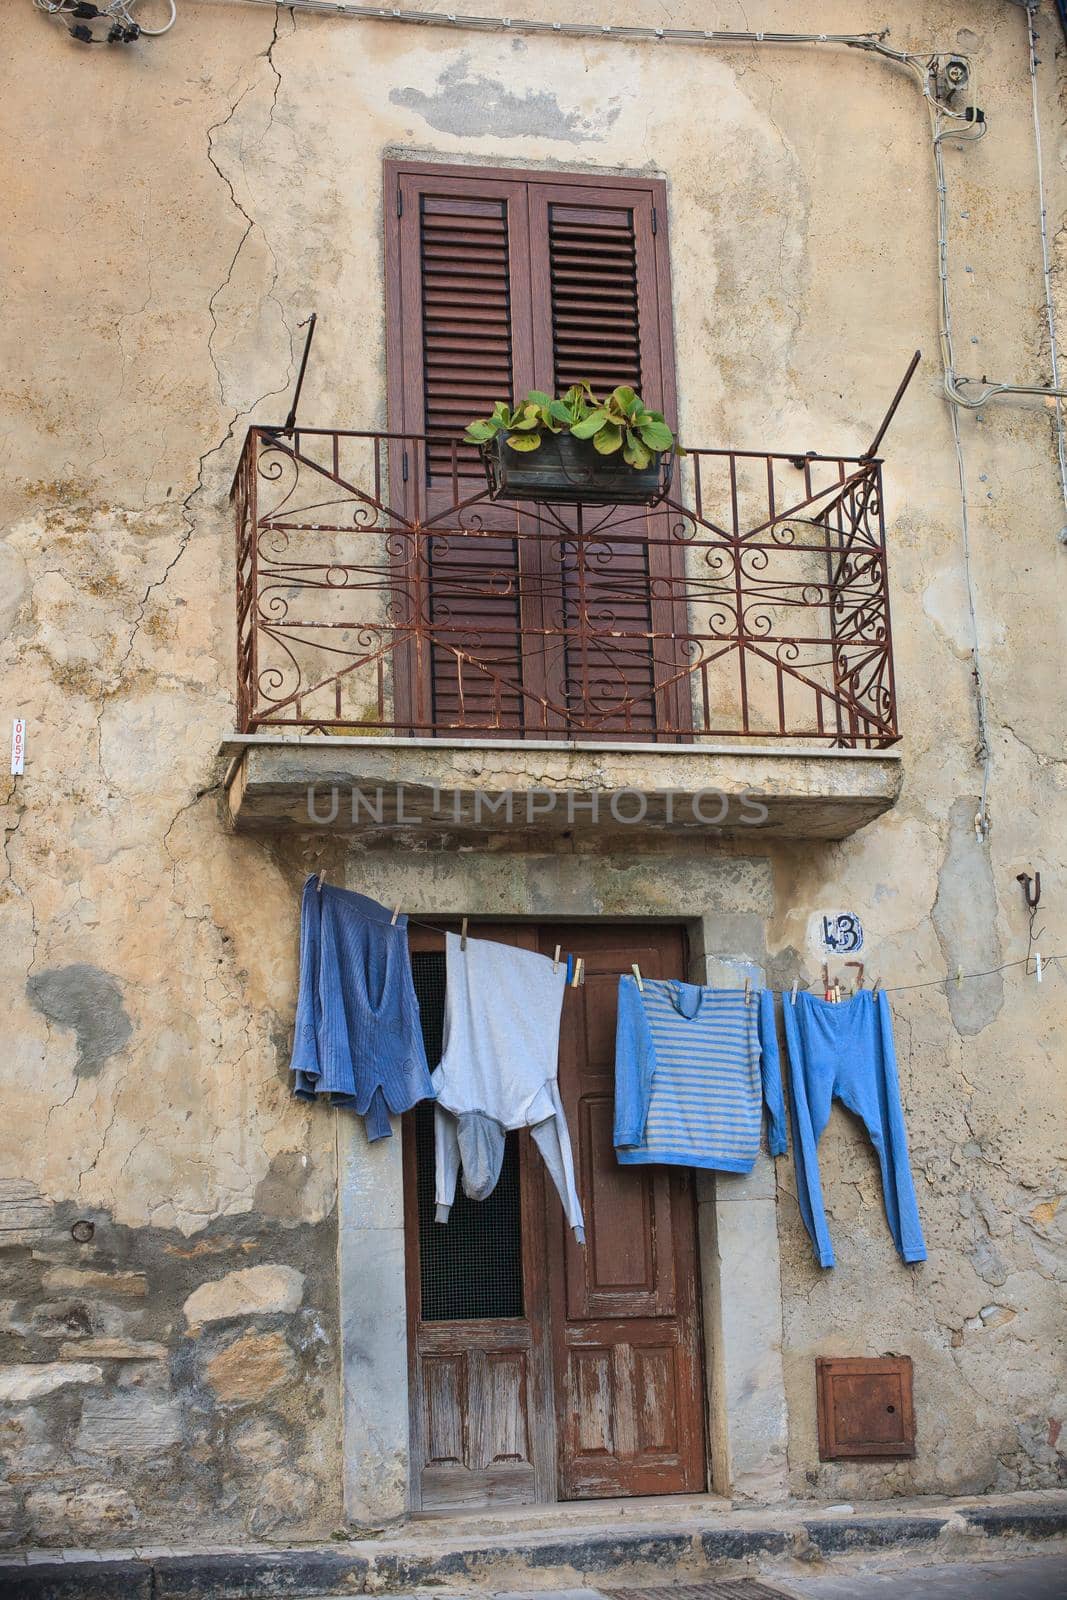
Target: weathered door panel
[(482, 1414), (626, 1341)]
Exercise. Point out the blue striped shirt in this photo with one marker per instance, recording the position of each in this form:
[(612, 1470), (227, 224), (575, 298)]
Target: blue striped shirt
[(693, 1067)]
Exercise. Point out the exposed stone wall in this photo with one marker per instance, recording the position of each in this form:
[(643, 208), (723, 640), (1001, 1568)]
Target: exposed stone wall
[(175, 210), (155, 1384)]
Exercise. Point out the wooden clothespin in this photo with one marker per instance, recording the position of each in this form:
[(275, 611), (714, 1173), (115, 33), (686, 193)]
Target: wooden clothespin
[(793, 991), (463, 934), (827, 991), (578, 967), (837, 993), (959, 976), (877, 984), (555, 958), (636, 970), (322, 880), (748, 991), (396, 913)]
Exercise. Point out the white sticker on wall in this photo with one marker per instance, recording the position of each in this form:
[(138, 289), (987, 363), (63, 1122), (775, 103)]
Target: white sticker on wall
[(18, 746), (835, 933)]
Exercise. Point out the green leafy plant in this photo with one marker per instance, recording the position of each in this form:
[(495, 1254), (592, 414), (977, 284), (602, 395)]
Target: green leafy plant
[(622, 422)]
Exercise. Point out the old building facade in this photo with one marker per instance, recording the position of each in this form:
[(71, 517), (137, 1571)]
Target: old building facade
[(223, 1310)]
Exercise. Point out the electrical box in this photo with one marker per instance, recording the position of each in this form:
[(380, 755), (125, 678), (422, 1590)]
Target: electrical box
[(865, 1407)]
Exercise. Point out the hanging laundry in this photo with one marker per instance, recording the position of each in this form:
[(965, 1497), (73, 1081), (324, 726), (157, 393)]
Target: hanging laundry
[(358, 1038), (845, 1052), (498, 1071), (693, 1069)]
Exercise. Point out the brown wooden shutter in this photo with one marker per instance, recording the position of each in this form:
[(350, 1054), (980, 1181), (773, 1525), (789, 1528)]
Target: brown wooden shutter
[(466, 320), (461, 340), (602, 317), (499, 283)]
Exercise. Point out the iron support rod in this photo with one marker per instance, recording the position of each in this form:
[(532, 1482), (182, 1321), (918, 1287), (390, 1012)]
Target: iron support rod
[(290, 421), (872, 448)]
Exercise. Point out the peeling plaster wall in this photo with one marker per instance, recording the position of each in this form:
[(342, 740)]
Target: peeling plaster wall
[(174, 212)]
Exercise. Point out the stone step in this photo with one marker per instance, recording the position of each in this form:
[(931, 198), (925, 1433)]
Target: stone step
[(716, 1543)]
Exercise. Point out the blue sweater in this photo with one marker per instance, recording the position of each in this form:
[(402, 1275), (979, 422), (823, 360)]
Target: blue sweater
[(693, 1067), (358, 1037)]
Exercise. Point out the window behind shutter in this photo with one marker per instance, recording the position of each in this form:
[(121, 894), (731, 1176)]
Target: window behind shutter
[(500, 282)]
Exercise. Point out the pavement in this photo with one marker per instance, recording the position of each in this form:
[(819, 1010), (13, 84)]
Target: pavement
[(1029, 1578), (1023, 1578)]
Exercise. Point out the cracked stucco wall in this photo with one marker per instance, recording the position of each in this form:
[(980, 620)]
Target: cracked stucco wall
[(161, 251)]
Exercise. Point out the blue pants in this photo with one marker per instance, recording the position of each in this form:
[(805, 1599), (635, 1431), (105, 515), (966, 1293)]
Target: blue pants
[(846, 1052)]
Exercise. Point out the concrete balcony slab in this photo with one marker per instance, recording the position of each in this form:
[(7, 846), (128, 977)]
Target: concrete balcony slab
[(467, 790)]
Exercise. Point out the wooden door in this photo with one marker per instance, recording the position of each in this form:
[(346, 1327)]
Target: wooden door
[(501, 281), (626, 1345), (541, 1370)]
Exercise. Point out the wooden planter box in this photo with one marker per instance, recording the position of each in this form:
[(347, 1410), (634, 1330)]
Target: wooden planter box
[(571, 471)]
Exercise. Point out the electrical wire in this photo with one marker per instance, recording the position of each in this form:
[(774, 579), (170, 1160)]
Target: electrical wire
[(118, 12), (923, 68), (1046, 265)]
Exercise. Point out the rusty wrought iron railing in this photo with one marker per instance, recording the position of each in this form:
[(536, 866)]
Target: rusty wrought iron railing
[(381, 591)]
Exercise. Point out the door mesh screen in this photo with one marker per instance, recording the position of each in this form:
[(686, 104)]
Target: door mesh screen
[(470, 1266)]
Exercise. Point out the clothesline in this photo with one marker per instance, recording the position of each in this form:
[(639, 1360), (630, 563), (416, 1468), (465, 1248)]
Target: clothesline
[(892, 988)]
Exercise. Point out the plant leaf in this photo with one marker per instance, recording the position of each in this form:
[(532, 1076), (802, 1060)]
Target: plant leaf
[(608, 439), (635, 452), (588, 426), (536, 397), (480, 432), (625, 398), (524, 441), (656, 435)]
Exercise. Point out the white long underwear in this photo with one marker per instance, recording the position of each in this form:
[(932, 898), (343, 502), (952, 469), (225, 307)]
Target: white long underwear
[(498, 1071)]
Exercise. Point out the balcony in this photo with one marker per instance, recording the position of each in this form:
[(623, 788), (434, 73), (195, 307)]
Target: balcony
[(413, 653)]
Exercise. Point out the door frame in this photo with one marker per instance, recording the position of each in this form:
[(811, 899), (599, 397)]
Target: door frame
[(537, 1332), (725, 903)]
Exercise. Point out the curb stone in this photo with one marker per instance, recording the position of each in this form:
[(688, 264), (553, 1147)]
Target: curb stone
[(259, 1574)]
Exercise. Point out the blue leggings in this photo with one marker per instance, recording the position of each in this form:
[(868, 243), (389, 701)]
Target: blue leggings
[(845, 1052)]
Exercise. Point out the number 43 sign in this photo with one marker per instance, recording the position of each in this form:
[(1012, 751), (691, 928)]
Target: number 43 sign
[(836, 933)]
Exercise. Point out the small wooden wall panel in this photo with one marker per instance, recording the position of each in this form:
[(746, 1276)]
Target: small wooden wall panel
[(865, 1407)]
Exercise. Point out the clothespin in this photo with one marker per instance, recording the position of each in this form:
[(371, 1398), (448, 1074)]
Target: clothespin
[(748, 991), (959, 976), (463, 934), (827, 991), (396, 913), (322, 880), (793, 991), (837, 993), (578, 965), (636, 970), (877, 984), (1037, 958), (570, 968)]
